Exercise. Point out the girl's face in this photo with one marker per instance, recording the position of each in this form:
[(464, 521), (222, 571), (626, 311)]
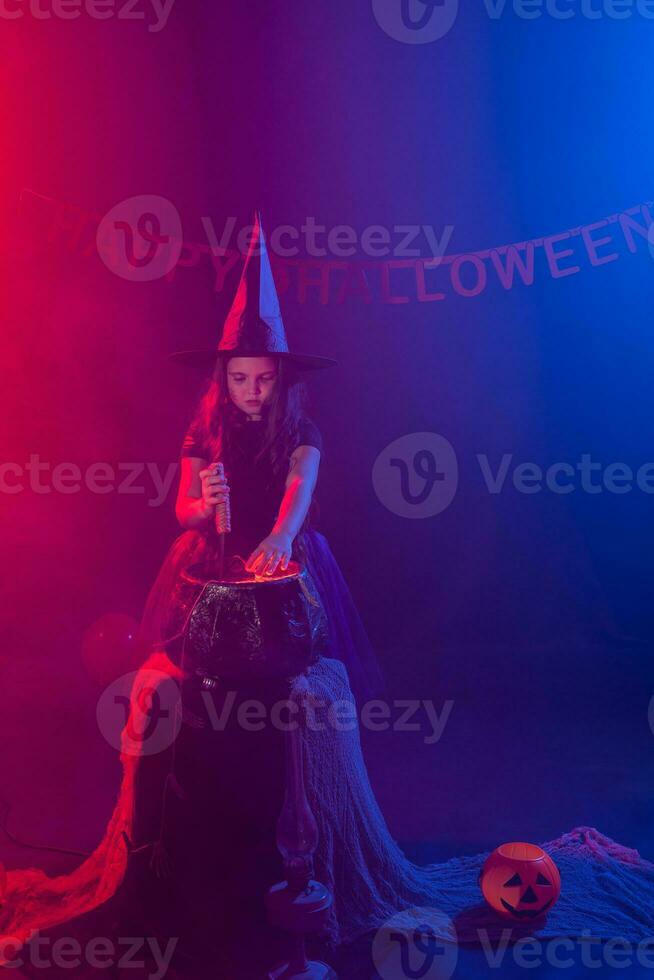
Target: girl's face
[(251, 382)]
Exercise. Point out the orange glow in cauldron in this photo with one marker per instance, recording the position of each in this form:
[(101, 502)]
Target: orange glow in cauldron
[(235, 573), (520, 881)]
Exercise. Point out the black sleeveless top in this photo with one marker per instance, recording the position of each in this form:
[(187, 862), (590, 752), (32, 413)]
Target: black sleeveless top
[(256, 492)]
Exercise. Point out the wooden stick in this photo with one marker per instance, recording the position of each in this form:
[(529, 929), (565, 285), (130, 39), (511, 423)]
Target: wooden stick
[(221, 555)]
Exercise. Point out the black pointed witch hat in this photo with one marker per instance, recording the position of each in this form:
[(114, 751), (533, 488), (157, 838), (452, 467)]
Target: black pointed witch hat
[(253, 327)]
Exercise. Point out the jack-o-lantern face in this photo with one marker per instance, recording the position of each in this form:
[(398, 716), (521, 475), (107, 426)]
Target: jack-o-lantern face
[(520, 881)]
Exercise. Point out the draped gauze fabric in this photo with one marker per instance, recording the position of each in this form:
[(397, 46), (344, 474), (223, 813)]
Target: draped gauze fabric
[(607, 888), (35, 901)]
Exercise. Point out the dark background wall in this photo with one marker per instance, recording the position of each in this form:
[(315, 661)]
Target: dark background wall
[(515, 605)]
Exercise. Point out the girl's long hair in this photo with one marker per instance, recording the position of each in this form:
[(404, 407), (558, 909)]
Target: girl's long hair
[(217, 418)]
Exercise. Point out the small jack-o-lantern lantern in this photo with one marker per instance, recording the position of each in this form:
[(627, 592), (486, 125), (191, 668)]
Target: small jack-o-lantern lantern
[(520, 881)]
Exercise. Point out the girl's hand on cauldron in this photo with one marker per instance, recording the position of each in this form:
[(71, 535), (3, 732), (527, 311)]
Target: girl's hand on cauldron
[(215, 489), (273, 551)]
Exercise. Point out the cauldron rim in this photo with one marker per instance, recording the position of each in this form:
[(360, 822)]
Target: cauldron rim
[(193, 575)]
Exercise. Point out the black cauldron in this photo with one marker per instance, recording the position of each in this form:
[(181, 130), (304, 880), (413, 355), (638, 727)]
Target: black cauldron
[(244, 627)]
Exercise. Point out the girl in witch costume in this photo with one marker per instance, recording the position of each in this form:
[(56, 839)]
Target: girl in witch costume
[(192, 835), (251, 417)]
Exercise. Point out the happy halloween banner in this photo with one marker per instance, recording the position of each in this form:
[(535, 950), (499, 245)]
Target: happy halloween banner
[(141, 240)]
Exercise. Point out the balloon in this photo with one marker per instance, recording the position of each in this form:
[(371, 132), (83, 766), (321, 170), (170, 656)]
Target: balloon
[(109, 647)]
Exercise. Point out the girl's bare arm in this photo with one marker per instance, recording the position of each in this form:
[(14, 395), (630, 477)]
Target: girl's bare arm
[(275, 549)]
